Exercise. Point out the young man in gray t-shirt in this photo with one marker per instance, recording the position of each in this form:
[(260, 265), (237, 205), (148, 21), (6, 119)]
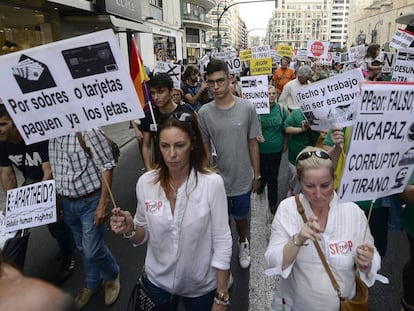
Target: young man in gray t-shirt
[(230, 124)]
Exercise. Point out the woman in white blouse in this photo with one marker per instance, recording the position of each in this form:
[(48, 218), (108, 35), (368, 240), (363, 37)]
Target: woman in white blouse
[(339, 228), (182, 214)]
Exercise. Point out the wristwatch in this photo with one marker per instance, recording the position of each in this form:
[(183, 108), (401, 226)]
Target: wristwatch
[(257, 178), (296, 241), (223, 297), (132, 234)]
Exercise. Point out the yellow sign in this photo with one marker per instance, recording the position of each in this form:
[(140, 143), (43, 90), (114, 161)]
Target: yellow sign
[(261, 66), (284, 50), (246, 54)]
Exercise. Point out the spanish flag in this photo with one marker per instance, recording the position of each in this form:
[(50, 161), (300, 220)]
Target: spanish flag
[(137, 71)]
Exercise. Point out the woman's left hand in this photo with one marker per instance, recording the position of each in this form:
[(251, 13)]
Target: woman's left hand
[(364, 255)]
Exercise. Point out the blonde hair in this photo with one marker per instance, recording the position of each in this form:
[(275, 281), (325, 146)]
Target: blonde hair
[(313, 161)]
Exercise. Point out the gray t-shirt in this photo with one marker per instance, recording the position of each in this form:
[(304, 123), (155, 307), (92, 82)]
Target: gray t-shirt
[(229, 130)]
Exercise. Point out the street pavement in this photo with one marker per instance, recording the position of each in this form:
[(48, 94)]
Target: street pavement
[(252, 289)]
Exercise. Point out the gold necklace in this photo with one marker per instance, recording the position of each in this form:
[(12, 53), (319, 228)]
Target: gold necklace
[(174, 190)]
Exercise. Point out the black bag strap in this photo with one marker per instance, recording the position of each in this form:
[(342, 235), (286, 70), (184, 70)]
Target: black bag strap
[(335, 284), (83, 144)]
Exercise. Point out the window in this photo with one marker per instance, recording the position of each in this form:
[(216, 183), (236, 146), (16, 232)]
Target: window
[(157, 3), (192, 35)]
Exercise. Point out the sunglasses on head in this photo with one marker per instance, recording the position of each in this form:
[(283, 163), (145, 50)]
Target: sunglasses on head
[(181, 116), (307, 154)]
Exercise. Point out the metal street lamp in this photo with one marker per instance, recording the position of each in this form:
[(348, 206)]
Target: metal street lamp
[(374, 32), (225, 9)]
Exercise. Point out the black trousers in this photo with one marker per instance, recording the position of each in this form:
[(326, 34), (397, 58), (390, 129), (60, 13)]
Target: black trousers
[(269, 170), (408, 275)]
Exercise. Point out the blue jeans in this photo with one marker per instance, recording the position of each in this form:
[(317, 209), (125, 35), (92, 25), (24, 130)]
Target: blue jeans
[(100, 265), (170, 302)]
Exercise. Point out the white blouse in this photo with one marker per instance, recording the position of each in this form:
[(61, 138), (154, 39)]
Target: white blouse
[(305, 284), (185, 248)]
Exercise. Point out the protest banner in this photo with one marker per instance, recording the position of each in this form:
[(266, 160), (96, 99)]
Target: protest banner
[(380, 158), (356, 53), (317, 48), (246, 55), (284, 50), (68, 86), (173, 70), (330, 102), (402, 39), (235, 65), (255, 89), (222, 55), (204, 61), (4, 233), (404, 66), (388, 60), (31, 206), (261, 66), (301, 55), (262, 51)]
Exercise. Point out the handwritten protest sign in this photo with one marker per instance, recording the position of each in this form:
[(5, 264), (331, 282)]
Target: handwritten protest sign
[(68, 86), (31, 206), (4, 233), (204, 61), (284, 50), (330, 101), (380, 158), (388, 60), (261, 66), (235, 65), (402, 39), (255, 89), (356, 53), (246, 55), (260, 51), (404, 66), (173, 70)]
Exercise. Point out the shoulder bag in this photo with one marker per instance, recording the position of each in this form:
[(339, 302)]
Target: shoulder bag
[(140, 298), (360, 301)]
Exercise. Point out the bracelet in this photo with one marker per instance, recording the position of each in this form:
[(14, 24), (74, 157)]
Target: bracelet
[(296, 242), (221, 302), (132, 234)]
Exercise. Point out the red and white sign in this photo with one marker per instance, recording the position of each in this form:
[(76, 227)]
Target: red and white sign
[(318, 49)]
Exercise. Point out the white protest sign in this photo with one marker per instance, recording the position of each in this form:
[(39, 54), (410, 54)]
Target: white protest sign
[(204, 61), (255, 89), (260, 51), (31, 206), (388, 60), (330, 102), (222, 55), (402, 39), (404, 66), (318, 49), (173, 70), (4, 233), (68, 86), (380, 158), (235, 65), (356, 53), (301, 55)]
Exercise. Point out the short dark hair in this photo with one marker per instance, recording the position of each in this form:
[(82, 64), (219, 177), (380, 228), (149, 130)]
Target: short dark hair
[(161, 80), (217, 65), (3, 111)]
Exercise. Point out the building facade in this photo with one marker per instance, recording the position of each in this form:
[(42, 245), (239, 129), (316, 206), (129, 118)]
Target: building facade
[(373, 21)]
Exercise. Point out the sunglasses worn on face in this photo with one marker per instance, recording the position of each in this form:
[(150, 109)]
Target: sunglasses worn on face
[(181, 116), (307, 154), (219, 82)]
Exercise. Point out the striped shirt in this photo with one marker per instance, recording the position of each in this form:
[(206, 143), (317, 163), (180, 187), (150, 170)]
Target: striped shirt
[(76, 173)]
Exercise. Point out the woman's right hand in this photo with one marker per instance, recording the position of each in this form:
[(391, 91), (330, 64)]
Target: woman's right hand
[(310, 231), (337, 136), (121, 221)]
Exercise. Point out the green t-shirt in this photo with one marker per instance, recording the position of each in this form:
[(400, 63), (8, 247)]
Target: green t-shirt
[(272, 129), (297, 142), (408, 215)]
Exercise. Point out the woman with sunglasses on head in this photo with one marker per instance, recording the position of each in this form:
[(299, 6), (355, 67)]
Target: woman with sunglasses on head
[(182, 215), (340, 230)]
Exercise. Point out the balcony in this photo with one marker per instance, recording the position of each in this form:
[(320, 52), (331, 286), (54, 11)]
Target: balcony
[(197, 21), (207, 4)]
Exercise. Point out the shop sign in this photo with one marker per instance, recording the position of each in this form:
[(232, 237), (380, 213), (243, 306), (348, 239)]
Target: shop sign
[(130, 9)]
